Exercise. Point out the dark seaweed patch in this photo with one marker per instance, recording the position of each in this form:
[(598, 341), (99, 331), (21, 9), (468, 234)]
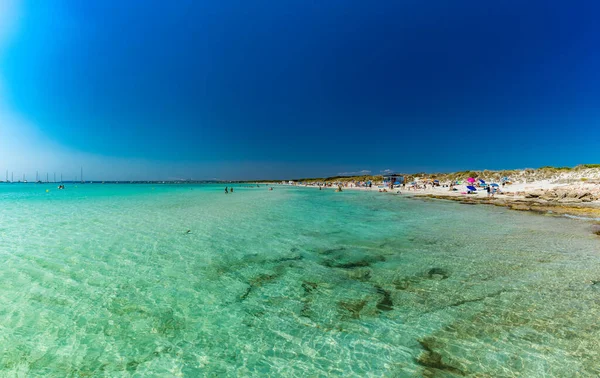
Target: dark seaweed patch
[(433, 361), (309, 286), (348, 265), (257, 282), (261, 279), (385, 303), (132, 366), (360, 263), (352, 307), (246, 293), (360, 274), (287, 259), (330, 251), (438, 273)]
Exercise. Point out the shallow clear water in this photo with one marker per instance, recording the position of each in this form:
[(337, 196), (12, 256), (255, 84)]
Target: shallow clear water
[(104, 280)]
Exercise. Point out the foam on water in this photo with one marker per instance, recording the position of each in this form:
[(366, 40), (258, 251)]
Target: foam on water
[(104, 280)]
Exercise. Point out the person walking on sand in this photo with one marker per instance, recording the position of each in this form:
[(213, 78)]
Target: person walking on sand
[(489, 190)]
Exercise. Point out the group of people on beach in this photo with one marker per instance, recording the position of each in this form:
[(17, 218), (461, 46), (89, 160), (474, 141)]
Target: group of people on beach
[(491, 190)]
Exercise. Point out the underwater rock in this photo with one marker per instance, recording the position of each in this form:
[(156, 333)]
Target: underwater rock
[(438, 273)]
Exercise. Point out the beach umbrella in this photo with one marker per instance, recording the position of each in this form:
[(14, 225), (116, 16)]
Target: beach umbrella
[(481, 181), (471, 188), (494, 184), (471, 180)]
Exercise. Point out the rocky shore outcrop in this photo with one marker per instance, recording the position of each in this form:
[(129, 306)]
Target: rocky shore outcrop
[(544, 202), (562, 195)]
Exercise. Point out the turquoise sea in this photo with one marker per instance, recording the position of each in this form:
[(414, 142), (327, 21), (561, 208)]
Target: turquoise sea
[(106, 281)]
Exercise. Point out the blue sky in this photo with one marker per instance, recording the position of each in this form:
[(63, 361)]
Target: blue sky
[(258, 89)]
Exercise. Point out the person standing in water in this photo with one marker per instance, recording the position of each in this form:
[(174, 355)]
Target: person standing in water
[(232, 189), (226, 191)]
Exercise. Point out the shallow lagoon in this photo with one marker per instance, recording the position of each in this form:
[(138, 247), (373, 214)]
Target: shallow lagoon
[(104, 280)]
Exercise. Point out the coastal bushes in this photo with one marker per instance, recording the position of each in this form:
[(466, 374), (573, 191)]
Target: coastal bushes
[(581, 173)]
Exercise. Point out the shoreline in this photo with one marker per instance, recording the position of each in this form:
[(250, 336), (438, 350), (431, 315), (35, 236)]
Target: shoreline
[(534, 198)]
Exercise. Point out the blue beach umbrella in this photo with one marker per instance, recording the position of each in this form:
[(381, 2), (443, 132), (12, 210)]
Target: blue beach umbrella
[(471, 188), (495, 185), (481, 181)]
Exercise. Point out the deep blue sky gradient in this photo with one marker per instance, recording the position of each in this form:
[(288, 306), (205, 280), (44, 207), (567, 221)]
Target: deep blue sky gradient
[(408, 85)]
